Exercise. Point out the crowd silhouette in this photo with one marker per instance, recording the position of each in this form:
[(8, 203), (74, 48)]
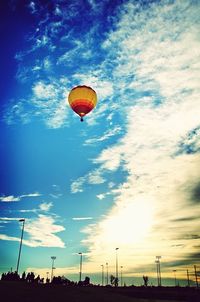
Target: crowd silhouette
[(31, 278), (29, 281)]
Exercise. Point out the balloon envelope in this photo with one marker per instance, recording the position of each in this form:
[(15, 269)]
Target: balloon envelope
[(82, 100)]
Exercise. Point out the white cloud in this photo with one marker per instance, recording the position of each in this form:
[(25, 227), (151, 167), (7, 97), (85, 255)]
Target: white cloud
[(9, 198), (36, 194), (42, 232), (101, 196), (29, 211), (9, 238), (44, 91), (12, 198), (51, 101), (58, 118), (81, 218), (9, 219), (105, 158), (103, 87), (94, 177), (158, 188), (46, 206), (109, 133), (76, 186)]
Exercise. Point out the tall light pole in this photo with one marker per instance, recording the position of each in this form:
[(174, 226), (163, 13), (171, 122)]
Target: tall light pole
[(196, 277), (20, 246), (102, 274), (121, 274), (156, 262), (81, 261), (52, 267), (158, 269), (174, 276), (116, 265), (106, 273), (188, 278)]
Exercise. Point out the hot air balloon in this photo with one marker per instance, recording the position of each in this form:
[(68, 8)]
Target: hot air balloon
[(82, 100)]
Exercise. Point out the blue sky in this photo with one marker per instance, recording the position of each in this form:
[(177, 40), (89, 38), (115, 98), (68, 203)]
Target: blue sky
[(128, 176)]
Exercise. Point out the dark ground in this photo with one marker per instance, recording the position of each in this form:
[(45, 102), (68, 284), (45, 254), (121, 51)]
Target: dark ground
[(19, 291)]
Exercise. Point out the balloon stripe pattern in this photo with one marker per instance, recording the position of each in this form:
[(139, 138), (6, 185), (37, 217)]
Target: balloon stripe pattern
[(82, 99)]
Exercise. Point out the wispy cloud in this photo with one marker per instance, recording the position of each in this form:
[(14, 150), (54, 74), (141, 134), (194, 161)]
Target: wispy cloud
[(92, 178), (10, 218), (111, 132), (43, 207), (101, 196), (36, 194), (12, 198), (40, 231), (81, 218)]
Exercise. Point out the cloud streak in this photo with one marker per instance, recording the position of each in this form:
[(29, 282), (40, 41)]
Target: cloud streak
[(12, 198)]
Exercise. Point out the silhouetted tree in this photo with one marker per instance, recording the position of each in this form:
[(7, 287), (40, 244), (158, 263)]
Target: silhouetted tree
[(146, 280), (113, 280)]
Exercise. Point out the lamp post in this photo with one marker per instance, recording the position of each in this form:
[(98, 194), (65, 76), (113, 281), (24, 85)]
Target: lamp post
[(116, 265), (20, 246), (102, 275), (121, 274), (174, 276), (188, 278), (106, 273), (158, 269), (196, 277), (52, 267), (81, 260)]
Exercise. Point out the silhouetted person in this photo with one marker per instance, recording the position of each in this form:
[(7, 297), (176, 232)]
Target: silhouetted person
[(37, 279), (23, 278), (86, 282), (32, 277)]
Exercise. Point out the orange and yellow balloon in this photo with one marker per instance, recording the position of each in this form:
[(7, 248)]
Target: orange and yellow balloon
[(82, 100)]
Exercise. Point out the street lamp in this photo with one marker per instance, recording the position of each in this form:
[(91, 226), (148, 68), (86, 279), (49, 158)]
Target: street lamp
[(102, 275), (174, 276), (116, 266), (20, 246), (106, 273), (188, 278), (158, 269), (52, 268), (81, 260), (121, 274)]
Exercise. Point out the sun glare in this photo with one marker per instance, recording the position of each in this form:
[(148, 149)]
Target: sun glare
[(129, 224)]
